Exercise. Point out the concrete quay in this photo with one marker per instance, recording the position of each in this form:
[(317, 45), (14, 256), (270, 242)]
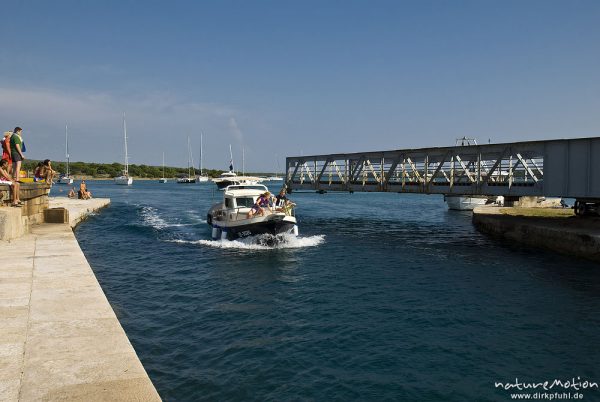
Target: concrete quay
[(554, 229), (60, 340)]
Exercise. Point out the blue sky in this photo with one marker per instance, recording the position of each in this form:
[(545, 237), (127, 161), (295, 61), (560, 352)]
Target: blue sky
[(281, 78)]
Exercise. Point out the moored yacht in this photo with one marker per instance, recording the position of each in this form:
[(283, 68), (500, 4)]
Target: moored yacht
[(231, 218), (202, 177), (465, 202), (231, 178), (125, 179), (190, 177), (163, 179), (66, 178)]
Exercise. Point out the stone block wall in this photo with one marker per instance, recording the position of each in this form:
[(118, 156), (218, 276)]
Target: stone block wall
[(35, 197)]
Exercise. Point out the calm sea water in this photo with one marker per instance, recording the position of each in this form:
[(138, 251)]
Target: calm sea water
[(383, 297)]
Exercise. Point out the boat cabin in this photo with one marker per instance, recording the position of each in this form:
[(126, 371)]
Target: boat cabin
[(242, 196)]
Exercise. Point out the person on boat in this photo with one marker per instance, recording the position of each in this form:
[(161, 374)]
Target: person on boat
[(262, 202), (16, 151), (6, 149), (5, 178), (282, 203)]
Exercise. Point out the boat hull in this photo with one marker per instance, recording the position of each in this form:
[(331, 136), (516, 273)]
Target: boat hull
[(65, 180), (273, 224), (464, 203), (186, 181), (124, 181), (253, 229)]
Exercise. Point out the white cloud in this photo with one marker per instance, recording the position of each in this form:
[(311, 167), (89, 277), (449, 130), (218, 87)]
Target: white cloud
[(156, 122), (235, 130)]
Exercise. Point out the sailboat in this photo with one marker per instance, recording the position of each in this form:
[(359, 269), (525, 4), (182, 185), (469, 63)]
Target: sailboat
[(203, 178), (231, 178), (125, 179), (190, 178), (66, 179), (163, 179), (275, 177)]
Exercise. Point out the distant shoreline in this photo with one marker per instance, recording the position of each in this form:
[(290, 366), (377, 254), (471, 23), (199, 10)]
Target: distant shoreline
[(91, 178)]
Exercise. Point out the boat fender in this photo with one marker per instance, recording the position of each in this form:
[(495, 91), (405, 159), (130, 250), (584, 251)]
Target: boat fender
[(223, 235), (215, 233), (295, 230)]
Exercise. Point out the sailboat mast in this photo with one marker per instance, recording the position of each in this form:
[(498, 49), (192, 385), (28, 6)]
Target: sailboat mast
[(125, 137), (67, 146), (201, 155), (189, 157), (243, 162), (163, 165), (231, 167)]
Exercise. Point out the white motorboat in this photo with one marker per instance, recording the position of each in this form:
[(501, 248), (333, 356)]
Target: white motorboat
[(191, 175), (66, 178), (229, 218), (231, 178), (125, 179), (464, 203)]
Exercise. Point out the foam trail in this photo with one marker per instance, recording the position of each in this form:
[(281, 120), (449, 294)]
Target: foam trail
[(151, 217), (258, 242)]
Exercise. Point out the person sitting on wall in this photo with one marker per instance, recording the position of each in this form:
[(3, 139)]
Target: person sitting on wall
[(83, 193), (72, 193), (5, 178), (38, 173), (47, 172)]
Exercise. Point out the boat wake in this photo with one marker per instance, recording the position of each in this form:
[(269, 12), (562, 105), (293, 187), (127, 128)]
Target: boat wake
[(261, 242), (150, 217)]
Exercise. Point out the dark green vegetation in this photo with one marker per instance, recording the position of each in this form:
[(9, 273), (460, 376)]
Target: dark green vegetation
[(108, 170)]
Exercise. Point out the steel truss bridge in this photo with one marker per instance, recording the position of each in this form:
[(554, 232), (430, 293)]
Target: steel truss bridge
[(560, 168)]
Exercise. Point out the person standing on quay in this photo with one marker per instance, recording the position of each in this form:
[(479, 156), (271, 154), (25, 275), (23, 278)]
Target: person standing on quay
[(16, 142), (6, 150)]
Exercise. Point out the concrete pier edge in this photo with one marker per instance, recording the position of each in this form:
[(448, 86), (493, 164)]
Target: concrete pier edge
[(561, 231), (59, 337)]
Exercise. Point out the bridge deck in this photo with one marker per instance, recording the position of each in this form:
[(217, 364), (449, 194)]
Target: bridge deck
[(560, 168)]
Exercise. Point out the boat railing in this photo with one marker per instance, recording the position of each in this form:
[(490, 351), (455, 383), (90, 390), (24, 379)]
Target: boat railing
[(237, 214)]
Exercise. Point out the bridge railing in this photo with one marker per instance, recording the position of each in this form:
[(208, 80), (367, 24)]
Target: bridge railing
[(496, 169)]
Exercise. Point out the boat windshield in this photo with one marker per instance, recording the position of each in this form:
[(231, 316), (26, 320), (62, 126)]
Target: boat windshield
[(244, 202)]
